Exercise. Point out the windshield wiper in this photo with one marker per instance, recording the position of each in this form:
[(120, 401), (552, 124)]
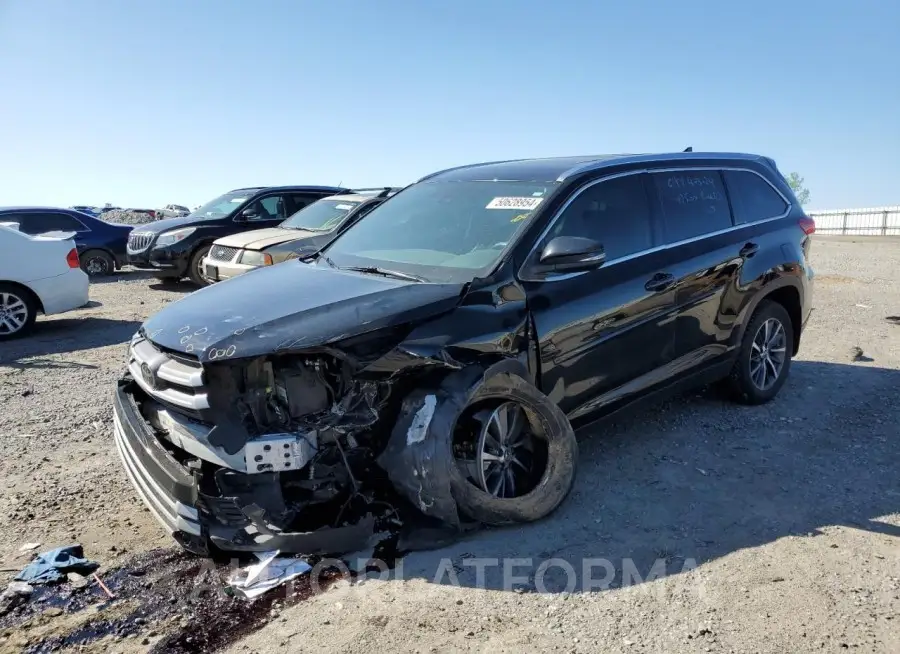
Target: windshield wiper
[(375, 270)]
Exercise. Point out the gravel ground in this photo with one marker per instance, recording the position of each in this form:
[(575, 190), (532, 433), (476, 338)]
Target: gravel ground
[(710, 527)]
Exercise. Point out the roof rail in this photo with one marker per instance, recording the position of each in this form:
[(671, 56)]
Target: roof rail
[(474, 165)]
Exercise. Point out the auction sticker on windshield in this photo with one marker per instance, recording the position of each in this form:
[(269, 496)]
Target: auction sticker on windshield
[(528, 204)]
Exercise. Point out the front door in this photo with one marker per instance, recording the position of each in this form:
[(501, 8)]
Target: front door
[(604, 333)]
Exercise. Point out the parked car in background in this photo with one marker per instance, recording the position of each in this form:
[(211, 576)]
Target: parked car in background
[(89, 210), (298, 237), (38, 274), (451, 340), (175, 248), (109, 207), (101, 245), (172, 211)]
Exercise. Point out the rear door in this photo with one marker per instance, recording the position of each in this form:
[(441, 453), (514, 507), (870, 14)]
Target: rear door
[(704, 256), (603, 333)]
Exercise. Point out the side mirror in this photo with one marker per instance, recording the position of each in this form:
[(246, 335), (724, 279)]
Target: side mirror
[(248, 214), (571, 254)]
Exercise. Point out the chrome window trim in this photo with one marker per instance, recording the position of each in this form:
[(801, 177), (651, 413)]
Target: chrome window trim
[(523, 269)]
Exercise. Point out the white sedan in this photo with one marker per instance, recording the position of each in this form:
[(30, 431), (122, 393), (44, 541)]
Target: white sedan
[(38, 274)]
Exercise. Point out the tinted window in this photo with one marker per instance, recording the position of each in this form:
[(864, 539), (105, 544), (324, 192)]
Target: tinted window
[(299, 201), (269, 208), (752, 197), (694, 203), (41, 223), (615, 213)]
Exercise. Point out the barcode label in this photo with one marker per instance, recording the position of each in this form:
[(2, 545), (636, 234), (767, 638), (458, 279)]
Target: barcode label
[(518, 204)]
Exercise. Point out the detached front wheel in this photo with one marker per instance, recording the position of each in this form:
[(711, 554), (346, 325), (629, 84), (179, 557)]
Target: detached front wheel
[(515, 454)]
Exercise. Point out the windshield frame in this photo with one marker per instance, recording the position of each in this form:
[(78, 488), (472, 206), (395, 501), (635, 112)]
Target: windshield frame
[(447, 274)]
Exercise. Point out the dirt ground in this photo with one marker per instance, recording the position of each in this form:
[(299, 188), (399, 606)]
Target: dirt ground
[(694, 526)]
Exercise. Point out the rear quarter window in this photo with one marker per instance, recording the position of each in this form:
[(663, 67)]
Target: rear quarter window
[(752, 197), (693, 203)]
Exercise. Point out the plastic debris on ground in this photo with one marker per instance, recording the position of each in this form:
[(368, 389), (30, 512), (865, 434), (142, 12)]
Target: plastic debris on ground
[(51, 566), (271, 572)]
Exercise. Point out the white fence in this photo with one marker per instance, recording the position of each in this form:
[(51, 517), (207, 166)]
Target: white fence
[(873, 221)]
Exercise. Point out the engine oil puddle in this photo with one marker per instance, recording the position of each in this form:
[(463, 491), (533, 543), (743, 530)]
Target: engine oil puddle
[(165, 601)]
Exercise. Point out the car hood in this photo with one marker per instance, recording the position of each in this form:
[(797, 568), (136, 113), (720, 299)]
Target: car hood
[(159, 226), (260, 239), (291, 306)]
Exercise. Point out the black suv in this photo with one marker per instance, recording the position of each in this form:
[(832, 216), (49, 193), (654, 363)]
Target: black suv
[(175, 247), (435, 357)]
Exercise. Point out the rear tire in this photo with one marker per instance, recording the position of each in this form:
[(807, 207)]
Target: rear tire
[(97, 263), (18, 311), (764, 358), (195, 272)]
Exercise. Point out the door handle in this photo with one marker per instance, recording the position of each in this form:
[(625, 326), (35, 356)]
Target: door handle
[(749, 250), (660, 282)]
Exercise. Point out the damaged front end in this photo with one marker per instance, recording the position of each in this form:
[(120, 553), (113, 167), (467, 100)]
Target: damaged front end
[(327, 442), (262, 454)]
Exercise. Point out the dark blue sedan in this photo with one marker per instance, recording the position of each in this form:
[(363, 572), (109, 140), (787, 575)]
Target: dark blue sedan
[(101, 245)]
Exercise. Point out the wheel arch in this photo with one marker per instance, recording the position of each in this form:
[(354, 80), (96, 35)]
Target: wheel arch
[(785, 292), (27, 291)]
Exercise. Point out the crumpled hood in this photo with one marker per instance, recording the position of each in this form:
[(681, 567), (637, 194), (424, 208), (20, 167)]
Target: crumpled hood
[(291, 306), (260, 239)]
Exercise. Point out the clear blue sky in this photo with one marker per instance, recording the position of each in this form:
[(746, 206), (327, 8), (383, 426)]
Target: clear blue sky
[(142, 103)]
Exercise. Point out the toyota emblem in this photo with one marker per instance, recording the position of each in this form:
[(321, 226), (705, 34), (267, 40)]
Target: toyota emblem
[(148, 375)]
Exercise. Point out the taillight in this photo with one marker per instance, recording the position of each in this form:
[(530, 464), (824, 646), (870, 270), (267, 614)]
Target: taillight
[(72, 259), (808, 225)]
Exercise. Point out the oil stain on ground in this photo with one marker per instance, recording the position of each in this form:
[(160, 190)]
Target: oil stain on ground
[(167, 600)]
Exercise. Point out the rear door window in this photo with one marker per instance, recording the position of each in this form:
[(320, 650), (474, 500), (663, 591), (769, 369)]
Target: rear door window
[(693, 203), (752, 197)]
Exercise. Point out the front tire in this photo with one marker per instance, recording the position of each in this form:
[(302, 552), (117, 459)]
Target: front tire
[(483, 495), (195, 268), (18, 311), (764, 358), (97, 263)]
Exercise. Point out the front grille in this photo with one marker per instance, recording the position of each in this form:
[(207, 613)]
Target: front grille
[(176, 382), (222, 253), (138, 242)]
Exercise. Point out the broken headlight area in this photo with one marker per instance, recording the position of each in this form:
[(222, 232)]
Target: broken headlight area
[(283, 456)]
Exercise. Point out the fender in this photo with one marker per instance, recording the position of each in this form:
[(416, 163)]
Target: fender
[(753, 300)]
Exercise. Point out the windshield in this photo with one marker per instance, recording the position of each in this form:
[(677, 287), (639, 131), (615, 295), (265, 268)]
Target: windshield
[(321, 216), (222, 205), (442, 231)]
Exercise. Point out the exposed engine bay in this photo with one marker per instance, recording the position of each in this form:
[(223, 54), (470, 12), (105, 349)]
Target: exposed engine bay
[(290, 450)]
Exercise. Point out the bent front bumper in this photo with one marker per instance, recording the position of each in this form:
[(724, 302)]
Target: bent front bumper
[(197, 521), (160, 481)]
